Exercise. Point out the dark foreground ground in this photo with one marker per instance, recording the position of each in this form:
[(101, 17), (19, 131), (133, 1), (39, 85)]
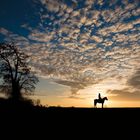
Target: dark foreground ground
[(69, 121), (19, 110), (26, 109)]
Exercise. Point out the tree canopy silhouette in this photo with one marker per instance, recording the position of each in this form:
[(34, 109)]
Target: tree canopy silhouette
[(16, 76)]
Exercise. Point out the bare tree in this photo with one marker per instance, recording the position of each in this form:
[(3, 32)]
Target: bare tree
[(15, 73)]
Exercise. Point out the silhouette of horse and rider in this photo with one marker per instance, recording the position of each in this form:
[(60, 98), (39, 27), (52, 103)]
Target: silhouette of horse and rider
[(100, 100)]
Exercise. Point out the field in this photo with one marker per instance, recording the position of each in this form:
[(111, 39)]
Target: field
[(25, 119), (71, 116)]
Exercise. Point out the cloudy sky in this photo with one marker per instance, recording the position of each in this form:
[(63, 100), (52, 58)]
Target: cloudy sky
[(78, 48)]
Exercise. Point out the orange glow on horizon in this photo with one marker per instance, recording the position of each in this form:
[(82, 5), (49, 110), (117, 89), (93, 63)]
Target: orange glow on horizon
[(67, 102), (85, 97)]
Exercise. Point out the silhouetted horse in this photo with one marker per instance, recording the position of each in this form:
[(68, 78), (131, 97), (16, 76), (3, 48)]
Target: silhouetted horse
[(102, 100)]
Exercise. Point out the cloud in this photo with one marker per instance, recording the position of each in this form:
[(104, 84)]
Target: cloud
[(118, 27), (131, 90), (78, 81), (134, 81), (97, 38), (76, 97), (41, 37), (12, 37), (124, 95), (52, 6), (75, 86), (3, 31), (70, 39)]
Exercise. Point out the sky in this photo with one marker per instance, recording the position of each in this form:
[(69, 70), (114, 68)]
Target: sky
[(78, 48)]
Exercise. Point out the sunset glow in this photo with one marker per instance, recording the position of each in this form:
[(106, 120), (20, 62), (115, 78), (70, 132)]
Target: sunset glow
[(78, 48)]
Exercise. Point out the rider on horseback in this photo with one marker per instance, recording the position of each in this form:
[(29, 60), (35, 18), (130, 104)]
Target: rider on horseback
[(99, 96), (100, 100)]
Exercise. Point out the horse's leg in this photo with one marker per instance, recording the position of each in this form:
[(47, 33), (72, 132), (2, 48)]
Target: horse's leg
[(102, 105), (95, 104)]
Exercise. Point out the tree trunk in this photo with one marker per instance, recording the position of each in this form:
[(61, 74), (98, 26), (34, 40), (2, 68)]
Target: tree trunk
[(16, 94)]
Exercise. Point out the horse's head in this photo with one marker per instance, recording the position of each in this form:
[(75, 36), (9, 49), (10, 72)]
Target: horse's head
[(105, 98)]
